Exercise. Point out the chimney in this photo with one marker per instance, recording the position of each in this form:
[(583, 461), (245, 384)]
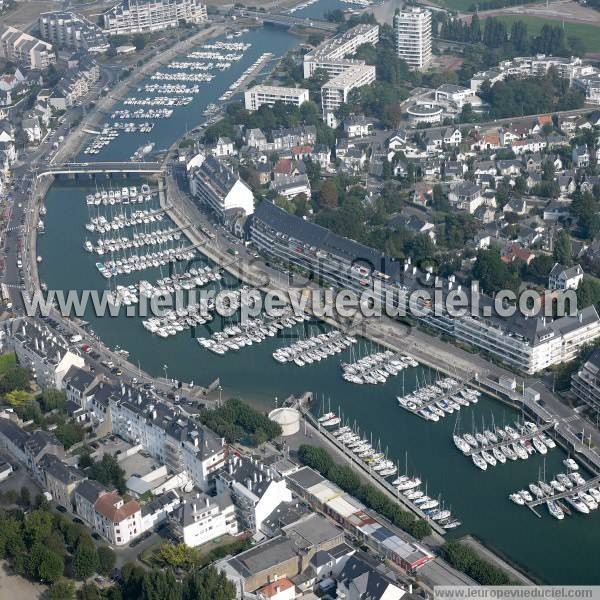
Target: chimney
[(196, 441), (154, 415), (459, 288), (42, 345), (231, 467), (249, 483), (581, 317), (260, 477), (37, 344), (194, 507), (255, 477), (427, 276), (414, 270), (122, 389), (207, 501)]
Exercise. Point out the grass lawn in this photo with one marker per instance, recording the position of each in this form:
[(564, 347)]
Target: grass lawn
[(7, 362), (588, 34), (464, 5)]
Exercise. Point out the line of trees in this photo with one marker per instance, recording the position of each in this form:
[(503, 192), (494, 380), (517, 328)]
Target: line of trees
[(343, 476), (236, 421), (465, 559), (514, 41)]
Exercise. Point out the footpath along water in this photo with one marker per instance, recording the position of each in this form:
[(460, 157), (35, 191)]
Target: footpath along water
[(556, 552)]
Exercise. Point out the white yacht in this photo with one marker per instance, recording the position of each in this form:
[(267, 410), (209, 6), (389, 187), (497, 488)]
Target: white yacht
[(555, 510), (479, 462)]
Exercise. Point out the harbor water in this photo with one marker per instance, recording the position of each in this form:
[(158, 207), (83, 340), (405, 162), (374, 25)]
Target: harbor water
[(553, 551)]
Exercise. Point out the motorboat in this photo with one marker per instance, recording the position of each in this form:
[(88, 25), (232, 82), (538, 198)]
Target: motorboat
[(578, 504), (526, 495), (555, 510), (539, 445), (571, 464)]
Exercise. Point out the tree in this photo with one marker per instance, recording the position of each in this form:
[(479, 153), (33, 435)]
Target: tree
[(160, 585), (85, 560), (208, 583), (69, 433), (139, 41), (52, 399), (178, 555), (25, 498), (89, 591), (562, 247), (45, 565), (106, 560), (15, 378), (63, 589), (17, 398), (328, 198), (38, 526)]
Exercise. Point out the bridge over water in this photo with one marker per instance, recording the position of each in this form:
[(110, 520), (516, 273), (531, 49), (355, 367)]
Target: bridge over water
[(83, 168), (287, 20)]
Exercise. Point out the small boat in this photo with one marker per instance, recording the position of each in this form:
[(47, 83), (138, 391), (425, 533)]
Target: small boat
[(571, 464), (536, 491), (578, 504), (489, 459), (555, 510), (517, 499), (479, 462), (461, 444), (526, 495)]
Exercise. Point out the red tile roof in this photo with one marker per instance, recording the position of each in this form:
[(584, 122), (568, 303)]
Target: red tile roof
[(106, 505), (274, 588)]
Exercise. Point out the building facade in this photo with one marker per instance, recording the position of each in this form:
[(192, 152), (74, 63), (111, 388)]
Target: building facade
[(528, 344), (65, 29), (145, 16), (412, 28), (25, 50), (268, 95)]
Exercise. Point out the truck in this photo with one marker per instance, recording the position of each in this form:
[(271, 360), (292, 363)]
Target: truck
[(75, 338)]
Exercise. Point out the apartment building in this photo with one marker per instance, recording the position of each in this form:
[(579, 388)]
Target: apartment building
[(528, 344), (107, 513), (256, 489), (43, 352), (216, 185), (573, 69), (335, 92), (268, 95), (145, 16), (202, 518), (25, 50), (61, 480), (65, 29), (585, 383), (181, 445), (345, 73), (412, 28)]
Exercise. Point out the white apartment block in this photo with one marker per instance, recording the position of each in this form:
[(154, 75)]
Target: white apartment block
[(260, 95), (330, 54), (413, 36), (256, 490), (572, 69), (335, 92), (202, 519), (144, 16), (181, 445), (44, 353), (26, 50), (65, 29), (345, 74)]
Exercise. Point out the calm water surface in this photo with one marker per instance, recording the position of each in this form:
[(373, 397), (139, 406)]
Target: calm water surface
[(557, 552)]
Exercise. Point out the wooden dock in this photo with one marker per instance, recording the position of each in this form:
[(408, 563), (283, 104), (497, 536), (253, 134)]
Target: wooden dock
[(462, 385), (560, 495), (506, 442)]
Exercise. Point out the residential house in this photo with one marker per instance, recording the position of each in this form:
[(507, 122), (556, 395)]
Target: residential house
[(224, 147), (465, 196), (61, 480), (201, 518), (13, 439), (512, 252), (581, 156), (564, 278), (358, 126), (40, 444)]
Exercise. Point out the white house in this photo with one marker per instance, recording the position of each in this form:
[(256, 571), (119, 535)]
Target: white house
[(256, 489), (564, 278), (218, 187), (203, 518)]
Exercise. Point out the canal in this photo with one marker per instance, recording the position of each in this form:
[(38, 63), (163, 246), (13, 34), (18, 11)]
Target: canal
[(556, 552)]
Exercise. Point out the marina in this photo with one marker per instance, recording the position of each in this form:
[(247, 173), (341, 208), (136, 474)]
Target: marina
[(483, 509)]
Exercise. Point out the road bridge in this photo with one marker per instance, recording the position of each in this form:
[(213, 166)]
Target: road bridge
[(82, 168), (287, 20)]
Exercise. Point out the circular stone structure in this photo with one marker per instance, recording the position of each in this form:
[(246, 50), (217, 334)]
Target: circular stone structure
[(419, 113), (288, 418)]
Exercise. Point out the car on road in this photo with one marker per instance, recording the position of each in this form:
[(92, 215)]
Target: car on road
[(61, 508), (116, 371), (97, 536), (77, 520)]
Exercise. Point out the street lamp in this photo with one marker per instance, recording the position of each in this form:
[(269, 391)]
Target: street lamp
[(165, 367)]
